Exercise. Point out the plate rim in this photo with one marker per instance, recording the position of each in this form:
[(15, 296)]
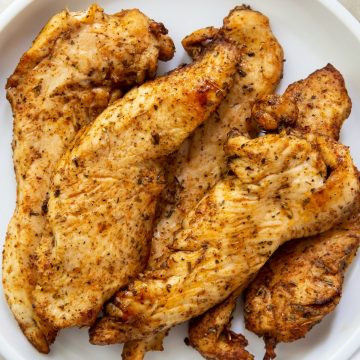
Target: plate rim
[(349, 347)]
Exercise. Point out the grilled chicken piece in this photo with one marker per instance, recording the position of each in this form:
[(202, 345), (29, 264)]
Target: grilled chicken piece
[(300, 285), (105, 187), (77, 65), (318, 104), (201, 161), (210, 333), (280, 190)]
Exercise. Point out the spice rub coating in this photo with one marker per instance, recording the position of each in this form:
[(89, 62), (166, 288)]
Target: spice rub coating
[(317, 104), (300, 285), (105, 187), (79, 63)]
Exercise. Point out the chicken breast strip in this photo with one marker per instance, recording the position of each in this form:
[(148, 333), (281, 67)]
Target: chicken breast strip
[(201, 160), (280, 190), (77, 65), (105, 188), (300, 285), (318, 104), (302, 282)]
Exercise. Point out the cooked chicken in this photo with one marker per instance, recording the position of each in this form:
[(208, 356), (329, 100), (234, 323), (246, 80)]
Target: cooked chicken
[(76, 66), (200, 161), (198, 165), (300, 284), (105, 188), (280, 190), (210, 333), (319, 103)]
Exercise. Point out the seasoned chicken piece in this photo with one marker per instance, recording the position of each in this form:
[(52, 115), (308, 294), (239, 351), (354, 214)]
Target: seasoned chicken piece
[(280, 190), (210, 333), (318, 104), (77, 65), (300, 284), (200, 161), (105, 187)]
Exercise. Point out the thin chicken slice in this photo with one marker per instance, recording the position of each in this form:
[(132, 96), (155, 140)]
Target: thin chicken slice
[(280, 190), (77, 65), (318, 104), (300, 285), (105, 188), (201, 160)]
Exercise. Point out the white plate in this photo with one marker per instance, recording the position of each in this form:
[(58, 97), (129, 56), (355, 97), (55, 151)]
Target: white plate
[(312, 33)]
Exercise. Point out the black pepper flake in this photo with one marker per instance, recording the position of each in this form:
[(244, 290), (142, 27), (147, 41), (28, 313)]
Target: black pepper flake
[(155, 138), (187, 341), (37, 89), (57, 192), (242, 73), (251, 54), (44, 206), (146, 216), (75, 161)]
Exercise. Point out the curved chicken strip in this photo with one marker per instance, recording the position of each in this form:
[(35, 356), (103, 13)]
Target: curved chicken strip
[(318, 104), (201, 160), (280, 190), (105, 188), (76, 66), (300, 285)]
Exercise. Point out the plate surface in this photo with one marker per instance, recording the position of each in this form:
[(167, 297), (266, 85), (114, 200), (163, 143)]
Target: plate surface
[(312, 34)]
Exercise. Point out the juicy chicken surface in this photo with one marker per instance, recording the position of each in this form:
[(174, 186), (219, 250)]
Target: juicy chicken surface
[(317, 104), (77, 65), (300, 284), (201, 160), (105, 187), (280, 190)]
